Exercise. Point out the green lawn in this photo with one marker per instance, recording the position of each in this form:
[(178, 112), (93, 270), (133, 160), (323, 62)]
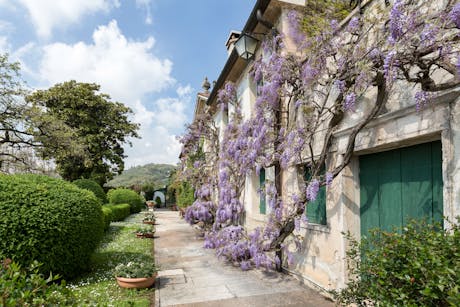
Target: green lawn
[(119, 245)]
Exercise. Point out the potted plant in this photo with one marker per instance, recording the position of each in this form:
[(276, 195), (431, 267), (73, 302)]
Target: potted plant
[(149, 219), (135, 274), (145, 232)]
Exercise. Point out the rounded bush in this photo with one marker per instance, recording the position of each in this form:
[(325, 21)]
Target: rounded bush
[(48, 220), (126, 196), (119, 212), (107, 216), (92, 186)]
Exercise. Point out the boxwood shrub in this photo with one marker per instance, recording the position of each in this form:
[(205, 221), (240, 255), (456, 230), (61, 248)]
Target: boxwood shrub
[(126, 196), (48, 220), (107, 216), (92, 186), (118, 212)]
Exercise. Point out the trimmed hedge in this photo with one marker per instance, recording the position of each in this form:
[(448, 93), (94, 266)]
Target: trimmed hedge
[(92, 186), (118, 212), (48, 220), (185, 195), (107, 217), (126, 196)]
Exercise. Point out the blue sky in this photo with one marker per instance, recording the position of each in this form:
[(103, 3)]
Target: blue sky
[(151, 55)]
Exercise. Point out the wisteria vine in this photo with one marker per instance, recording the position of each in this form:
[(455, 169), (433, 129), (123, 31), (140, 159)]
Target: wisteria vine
[(302, 98)]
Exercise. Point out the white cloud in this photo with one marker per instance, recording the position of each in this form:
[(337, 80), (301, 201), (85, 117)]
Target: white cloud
[(159, 127), (49, 14), (127, 70), (185, 91), (145, 4), (157, 146), (170, 113)]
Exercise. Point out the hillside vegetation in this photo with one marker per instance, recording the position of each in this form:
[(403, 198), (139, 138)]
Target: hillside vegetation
[(157, 174)]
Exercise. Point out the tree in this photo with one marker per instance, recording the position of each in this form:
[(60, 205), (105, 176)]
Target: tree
[(14, 135), (21, 123), (303, 98), (100, 125)]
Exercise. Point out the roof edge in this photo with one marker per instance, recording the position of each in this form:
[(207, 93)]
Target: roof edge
[(251, 23)]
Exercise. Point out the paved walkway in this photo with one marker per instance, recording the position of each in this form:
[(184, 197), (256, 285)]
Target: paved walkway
[(193, 276)]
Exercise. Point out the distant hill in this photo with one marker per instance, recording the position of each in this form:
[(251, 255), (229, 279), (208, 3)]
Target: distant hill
[(139, 175)]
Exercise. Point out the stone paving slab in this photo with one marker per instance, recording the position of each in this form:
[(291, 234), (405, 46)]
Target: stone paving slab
[(193, 276), (189, 295), (294, 299)]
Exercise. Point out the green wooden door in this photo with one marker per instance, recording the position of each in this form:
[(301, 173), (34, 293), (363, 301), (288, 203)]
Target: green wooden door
[(400, 185)]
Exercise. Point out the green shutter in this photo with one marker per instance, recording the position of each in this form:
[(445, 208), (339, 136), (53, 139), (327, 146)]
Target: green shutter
[(316, 210), (389, 173), (369, 193), (438, 204), (262, 191), (417, 182), (400, 185)]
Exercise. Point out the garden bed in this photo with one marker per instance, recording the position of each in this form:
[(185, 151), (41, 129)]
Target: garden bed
[(119, 245)]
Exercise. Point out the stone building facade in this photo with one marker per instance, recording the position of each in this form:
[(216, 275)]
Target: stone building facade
[(406, 164)]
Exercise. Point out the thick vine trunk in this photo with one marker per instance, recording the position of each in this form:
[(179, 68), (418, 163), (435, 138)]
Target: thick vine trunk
[(382, 96)]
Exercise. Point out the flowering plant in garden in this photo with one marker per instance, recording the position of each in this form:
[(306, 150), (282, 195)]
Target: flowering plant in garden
[(149, 217), (303, 96), (145, 230), (135, 269)]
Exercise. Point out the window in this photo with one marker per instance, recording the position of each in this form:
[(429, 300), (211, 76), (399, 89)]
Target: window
[(316, 210), (262, 206)]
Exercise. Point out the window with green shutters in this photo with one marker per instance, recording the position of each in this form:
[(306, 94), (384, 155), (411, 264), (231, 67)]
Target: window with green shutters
[(262, 200), (316, 210)]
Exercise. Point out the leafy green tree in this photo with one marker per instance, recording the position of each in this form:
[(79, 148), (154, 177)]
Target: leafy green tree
[(100, 125), (22, 125), (12, 108), (149, 189)]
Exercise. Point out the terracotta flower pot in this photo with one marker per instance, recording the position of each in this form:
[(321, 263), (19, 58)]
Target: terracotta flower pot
[(145, 235), (149, 222), (137, 283)]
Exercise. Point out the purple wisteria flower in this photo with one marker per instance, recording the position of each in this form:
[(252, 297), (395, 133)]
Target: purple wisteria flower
[(422, 98), (294, 27), (340, 85), (389, 66), (312, 190), (297, 224), (428, 35), (353, 25), (329, 178), (349, 103), (458, 66), (454, 15), (309, 73), (245, 265), (375, 55), (227, 94), (334, 25), (396, 21)]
